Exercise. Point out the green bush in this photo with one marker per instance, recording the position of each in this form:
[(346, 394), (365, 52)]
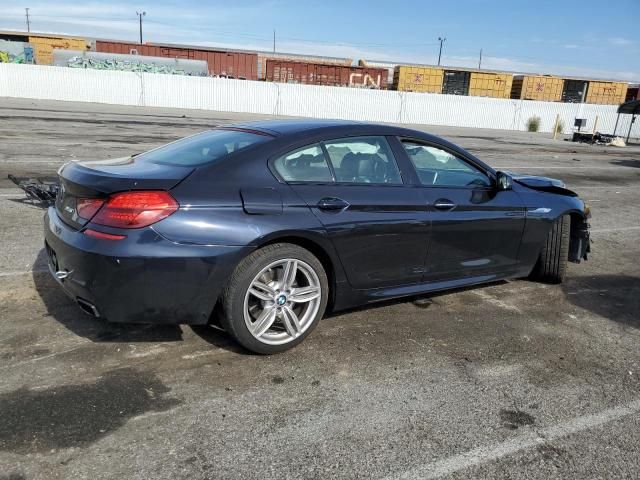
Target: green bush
[(533, 124)]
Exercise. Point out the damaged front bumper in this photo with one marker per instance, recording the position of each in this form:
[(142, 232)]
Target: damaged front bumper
[(580, 243)]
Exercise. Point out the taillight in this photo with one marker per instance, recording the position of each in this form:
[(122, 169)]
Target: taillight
[(87, 207), (135, 209)]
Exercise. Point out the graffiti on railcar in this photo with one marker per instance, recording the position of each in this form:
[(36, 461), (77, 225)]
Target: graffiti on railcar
[(364, 80), (127, 66)]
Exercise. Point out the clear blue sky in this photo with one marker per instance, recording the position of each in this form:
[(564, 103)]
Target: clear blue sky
[(589, 38)]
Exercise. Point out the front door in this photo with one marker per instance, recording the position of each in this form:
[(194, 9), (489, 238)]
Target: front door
[(475, 229)]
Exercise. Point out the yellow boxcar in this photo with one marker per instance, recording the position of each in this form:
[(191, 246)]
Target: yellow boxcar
[(606, 93), (545, 88), (487, 84), (407, 78), (43, 47)]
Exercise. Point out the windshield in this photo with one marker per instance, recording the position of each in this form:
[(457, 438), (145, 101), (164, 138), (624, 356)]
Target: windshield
[(202, 148)]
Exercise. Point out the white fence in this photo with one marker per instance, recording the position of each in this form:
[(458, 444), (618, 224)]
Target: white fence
[(219, 94)]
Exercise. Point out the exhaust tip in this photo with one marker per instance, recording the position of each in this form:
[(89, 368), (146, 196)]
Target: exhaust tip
[(88, 307)]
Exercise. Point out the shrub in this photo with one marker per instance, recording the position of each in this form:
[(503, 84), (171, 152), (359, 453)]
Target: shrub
[(560, 127), (533, 124)]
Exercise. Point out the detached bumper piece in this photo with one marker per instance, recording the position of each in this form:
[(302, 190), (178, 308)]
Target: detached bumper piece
[(40, 190), (580, 244)]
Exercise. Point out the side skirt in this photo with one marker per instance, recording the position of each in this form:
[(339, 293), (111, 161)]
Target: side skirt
[(347, 297)]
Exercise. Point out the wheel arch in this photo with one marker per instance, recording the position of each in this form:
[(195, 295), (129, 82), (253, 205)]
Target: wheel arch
[(318, 246)]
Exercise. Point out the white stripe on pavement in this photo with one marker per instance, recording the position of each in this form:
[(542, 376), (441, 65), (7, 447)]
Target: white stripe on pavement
[(531, 439)]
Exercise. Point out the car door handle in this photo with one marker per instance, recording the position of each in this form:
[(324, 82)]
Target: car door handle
[(331, 203), (444, 204)]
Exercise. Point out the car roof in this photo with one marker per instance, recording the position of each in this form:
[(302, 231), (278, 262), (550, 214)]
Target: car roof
[(285, 127), (306, 126)]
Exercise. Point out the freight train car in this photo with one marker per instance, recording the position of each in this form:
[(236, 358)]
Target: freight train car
[(452, 81), (594, 91), (490, 84), (325, 74), (43, 46), (412, 78), (606, 93), (545, 88), (232, 64), (264, 56)]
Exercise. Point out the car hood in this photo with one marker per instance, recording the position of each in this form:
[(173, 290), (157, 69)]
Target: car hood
[(544, 184)]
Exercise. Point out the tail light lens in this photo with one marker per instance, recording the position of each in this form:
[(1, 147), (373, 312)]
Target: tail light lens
[(135, 209), (87, 207)]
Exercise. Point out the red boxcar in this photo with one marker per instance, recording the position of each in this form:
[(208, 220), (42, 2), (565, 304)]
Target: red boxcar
[(224, 63), (325, 74)]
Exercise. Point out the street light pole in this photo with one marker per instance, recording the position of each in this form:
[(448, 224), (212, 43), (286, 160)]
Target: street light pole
[(28, 22), (140, 15), (441, 40)]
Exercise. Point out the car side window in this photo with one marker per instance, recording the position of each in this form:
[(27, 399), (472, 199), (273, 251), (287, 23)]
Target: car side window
[(307, 164), (363, 160), (435, 166)]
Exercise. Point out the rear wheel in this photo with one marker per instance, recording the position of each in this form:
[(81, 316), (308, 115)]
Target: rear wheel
[(552, 264), (275, 297)]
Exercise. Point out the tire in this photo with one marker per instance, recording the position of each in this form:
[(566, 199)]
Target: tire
[(269, 288), (552, 263)]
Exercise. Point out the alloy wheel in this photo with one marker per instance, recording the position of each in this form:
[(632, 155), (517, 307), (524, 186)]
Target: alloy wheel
[(282, 301)]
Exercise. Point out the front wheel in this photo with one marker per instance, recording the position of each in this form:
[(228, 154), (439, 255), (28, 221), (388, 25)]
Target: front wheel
[(552, 263), (274, 298)]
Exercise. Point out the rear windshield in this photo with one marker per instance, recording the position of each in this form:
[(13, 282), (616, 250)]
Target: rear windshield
[(202, 148)]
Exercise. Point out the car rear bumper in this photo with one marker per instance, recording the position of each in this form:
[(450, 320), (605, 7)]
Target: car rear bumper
[(143, 278)]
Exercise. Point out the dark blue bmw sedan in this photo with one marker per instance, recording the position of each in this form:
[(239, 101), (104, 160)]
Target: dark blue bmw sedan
[(262, 227)]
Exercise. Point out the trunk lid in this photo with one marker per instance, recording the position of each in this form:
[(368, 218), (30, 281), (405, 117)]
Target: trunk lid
[(99, 179)]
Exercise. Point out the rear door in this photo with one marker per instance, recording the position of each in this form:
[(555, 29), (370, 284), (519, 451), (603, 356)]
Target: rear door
[(475, 229), (377, 224)]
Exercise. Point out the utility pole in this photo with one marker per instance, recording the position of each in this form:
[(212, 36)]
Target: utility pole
[(441, 40), (274, 40), (480, 61), (28, 22), (140, 15)]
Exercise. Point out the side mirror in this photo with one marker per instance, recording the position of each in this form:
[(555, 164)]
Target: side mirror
[(504, 181)]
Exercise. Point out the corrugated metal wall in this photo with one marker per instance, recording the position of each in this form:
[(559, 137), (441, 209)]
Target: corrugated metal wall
[(219, 94), (228, 64)]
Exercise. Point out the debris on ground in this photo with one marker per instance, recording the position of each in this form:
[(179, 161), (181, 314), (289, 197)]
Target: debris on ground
[(42, 190), (598, 138)]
